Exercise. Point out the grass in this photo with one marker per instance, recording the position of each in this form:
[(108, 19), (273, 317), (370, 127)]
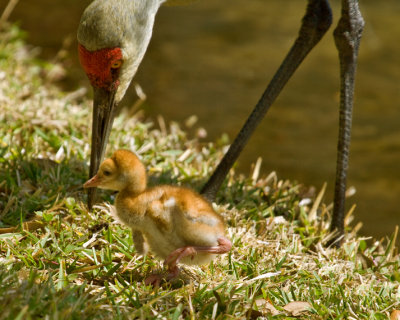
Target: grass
[(59, 261)]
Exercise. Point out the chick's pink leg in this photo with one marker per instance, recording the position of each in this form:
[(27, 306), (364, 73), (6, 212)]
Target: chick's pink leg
[(172, 260), (154, 280), (173, 270), (224, 245)]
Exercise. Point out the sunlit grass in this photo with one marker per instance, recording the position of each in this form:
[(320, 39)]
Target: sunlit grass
[(58, 260)]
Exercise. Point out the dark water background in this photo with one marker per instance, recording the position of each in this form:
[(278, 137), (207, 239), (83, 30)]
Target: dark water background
[(214, 58)]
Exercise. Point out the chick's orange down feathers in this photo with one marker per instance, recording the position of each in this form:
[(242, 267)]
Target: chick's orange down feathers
[(175, 223)]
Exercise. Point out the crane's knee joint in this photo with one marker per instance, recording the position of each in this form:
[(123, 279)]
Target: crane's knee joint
[(317, 20), (350, 27)]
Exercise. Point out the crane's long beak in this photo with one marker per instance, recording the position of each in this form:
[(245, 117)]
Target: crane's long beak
[(103, 117)]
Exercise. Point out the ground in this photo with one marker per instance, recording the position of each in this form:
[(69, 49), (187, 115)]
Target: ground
[(60, 261)]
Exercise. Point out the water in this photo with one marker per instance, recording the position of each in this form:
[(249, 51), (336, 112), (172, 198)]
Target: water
[(214, 58)]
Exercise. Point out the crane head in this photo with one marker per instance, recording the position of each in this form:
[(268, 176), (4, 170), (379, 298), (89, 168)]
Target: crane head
[(102, 68), (113, 37)]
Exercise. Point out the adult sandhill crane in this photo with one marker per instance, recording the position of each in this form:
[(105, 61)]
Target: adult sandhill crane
[(113, 36)]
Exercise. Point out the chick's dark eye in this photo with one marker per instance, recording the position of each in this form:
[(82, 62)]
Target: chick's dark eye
[(107, 173)]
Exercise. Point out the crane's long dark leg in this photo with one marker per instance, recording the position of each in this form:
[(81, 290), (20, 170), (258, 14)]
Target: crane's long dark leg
[(316, 22), (347, 38)]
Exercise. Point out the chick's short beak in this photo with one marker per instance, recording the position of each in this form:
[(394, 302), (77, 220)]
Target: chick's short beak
[(103, 116), (92, 183)]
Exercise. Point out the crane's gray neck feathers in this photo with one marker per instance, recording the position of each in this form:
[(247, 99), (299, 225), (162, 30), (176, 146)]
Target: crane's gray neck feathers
[(126, 24), (111, 23)]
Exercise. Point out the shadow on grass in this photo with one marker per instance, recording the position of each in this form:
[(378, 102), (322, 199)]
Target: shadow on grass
[(32, 185), (27, 299)]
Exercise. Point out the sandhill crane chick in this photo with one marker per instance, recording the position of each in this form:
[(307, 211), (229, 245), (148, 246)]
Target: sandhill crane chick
[(175, 223)]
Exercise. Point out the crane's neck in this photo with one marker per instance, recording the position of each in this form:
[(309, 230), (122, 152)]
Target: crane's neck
[(150, 6), (134, 47)]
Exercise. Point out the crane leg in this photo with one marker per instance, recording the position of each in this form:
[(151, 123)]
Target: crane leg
[(347, 34), (347, 39), (315, 23)]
